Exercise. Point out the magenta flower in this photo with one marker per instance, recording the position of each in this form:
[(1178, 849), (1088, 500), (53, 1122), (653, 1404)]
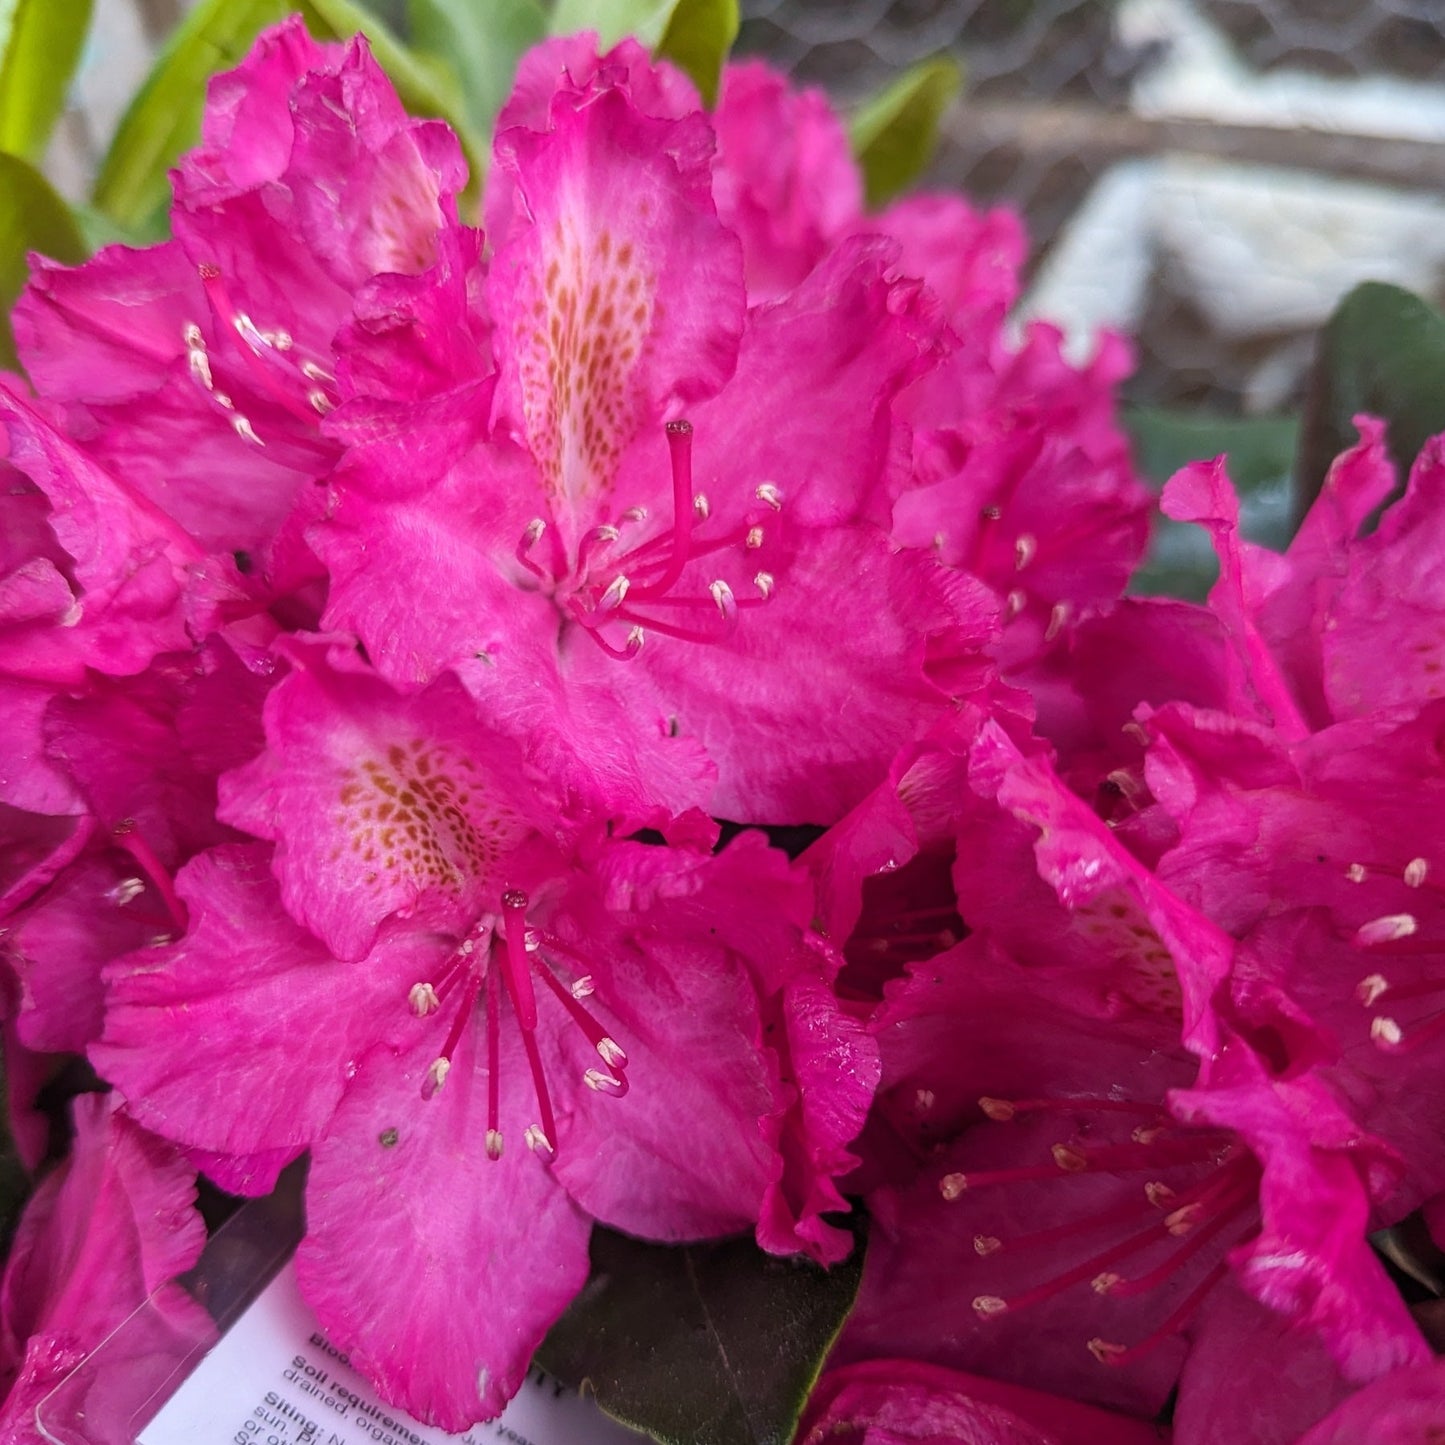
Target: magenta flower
[(720, 556), (887, 1402), (199, 370), (441, 964), (111, 1226)]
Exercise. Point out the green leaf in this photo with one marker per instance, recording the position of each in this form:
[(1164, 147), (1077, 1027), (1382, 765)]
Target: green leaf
[(32, 218), (480, 41), (698, 39), (1382, 352), (164, 118), (894, 134), (612, 19), (40, 42), (1181, 561), (709, 1344)]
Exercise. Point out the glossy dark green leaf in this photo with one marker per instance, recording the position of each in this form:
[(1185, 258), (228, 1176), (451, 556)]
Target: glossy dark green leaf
[(32, 218), (1181, 561), (895, 132), (40, 42), (481, 43), (1382, 352), (698, 38), (708, 1344), (164, 118)]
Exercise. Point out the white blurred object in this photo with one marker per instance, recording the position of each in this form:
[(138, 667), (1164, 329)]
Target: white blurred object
[(1256, 250), (1200, 77)]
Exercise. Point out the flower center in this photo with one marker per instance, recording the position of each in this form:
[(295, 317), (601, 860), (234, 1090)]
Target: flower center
[(1404, 993), (501, 954), (282, 373), (1198, 1201), (618, 593)]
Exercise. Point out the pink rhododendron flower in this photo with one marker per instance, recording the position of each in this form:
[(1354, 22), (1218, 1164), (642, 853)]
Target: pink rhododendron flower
[(111, 1226), (199, 370), (511, 975)]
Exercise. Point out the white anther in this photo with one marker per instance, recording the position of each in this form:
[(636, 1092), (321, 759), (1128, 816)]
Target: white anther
[(494, 1143), (1013, 604), (702, 507), (1388, 929), (312, 372), (1106, 1353), (767, 492), (939, 541), (245, 430), (611, 1053), (250, 332), (200, 365), (1416, 871), (1355, 872), (532, 532), (1058, 616), (466, 947), (722, 594), (755, 538), (999, 1110), (191, 335), (616, 592), (924, 1100), (1025, 545), (531, 940), (320, 402), (1386, 1032), (1160, 1195), (1106, 1283), (1183, 1219), (282, 341), (952, 1185), (437, 1071), (125, 890), (635, 639), (635, 514), (159, 940), (601, 1082), (606, 533), (765, 583), (223, 398), (1069, 1159), (986, 1306), (585, 987), (986, 1244), (1150, 1134), (537, 1141), (423, 999), (1370, 988)]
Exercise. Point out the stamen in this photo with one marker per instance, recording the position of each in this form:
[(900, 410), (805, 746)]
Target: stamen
[(538, 1140), (1355, 872), (1388, 929), (616, 591), (1025, 545), (1416, 871), (1370, 988), (126, 890), (702, 507), (764, 582), (436, 1076), (770, 495), (754, 539), (531, 535), (1108, 1353), (243, 429), (494, 1144), (423, 999), (584, 987), (722, 594), (127, 837)]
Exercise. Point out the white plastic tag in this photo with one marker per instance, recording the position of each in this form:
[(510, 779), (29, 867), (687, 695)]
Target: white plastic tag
[(273, 1379)]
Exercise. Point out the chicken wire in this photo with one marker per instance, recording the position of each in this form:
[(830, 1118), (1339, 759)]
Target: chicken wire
[(1302, 141)]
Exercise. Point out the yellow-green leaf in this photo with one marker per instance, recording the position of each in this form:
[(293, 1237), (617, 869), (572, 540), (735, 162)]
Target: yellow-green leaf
[(40, 42), (894, 134), (698, 38), (32, 218), (480, 43)]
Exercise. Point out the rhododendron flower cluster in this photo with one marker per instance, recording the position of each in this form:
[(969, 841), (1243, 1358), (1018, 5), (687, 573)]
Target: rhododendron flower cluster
[(418, 640)]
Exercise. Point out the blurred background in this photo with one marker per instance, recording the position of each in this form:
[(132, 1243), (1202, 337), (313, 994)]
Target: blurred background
[(1208, 176)]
